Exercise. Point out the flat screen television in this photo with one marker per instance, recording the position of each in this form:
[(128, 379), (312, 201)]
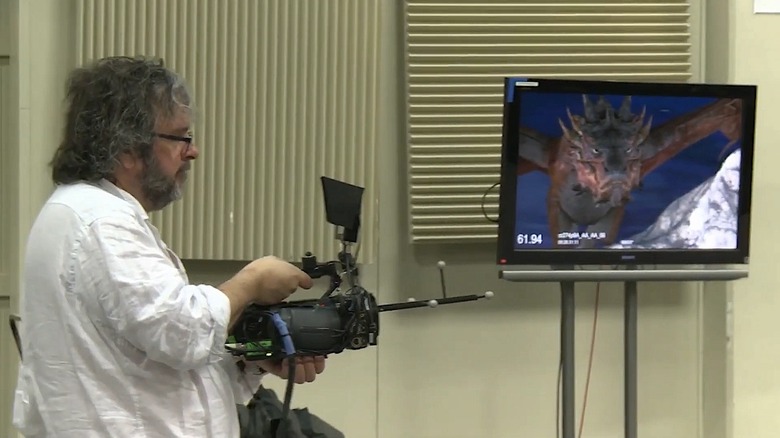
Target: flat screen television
[(625, 173)]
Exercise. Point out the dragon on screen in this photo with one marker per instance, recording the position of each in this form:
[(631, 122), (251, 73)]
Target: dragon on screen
[(622, 171)]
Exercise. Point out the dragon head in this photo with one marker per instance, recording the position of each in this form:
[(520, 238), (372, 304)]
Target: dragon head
[(605, 148)]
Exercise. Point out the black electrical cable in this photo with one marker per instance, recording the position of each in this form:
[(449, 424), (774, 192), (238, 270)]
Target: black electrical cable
[(284, 421), (482, 205), (289, 347)]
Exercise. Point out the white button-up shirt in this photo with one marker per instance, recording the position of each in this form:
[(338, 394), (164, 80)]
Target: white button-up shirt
[(116, 342)]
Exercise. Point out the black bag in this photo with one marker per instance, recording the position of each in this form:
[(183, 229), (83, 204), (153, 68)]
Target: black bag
[(261, 418)]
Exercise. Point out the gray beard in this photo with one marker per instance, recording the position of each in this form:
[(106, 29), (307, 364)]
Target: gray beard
[(158, 188)]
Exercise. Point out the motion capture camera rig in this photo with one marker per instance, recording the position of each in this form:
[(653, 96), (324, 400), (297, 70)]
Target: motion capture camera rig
[(345, 317)]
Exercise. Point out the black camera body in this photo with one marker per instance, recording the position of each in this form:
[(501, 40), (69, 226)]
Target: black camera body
[(329, 325)]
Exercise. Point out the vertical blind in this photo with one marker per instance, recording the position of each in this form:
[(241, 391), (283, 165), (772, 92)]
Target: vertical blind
[(286, 92), (457, 56)]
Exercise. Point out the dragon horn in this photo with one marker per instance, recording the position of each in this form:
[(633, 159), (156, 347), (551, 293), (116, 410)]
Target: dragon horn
[(576, 122), (646, 129), (625, 109), (566, 132), (638, 120), (590, 112)]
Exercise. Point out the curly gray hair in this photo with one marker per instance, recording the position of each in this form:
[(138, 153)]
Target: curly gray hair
[(113, 105)]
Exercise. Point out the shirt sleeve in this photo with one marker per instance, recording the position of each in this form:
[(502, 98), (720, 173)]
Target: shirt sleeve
[(246, 380), (147, 301)]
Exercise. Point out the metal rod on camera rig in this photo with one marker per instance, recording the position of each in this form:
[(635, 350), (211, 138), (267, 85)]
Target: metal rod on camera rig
[(432, 303)]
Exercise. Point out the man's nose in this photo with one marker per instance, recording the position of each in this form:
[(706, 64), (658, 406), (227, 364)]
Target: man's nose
[(192, 152)]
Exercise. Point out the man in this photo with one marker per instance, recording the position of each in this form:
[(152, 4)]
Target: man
[(116, 342)]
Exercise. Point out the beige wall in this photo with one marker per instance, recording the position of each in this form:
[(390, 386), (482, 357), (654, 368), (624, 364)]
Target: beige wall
[(756, 356), (489, 368)]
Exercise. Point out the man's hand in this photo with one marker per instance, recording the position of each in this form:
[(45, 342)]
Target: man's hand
[(271, 280), (306, 368), (267, 281)]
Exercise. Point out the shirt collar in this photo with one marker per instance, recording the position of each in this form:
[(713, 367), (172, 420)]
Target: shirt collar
[(116, 191)]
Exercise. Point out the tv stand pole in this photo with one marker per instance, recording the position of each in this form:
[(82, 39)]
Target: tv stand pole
[(567, 358), (630, 358), (630, 365)]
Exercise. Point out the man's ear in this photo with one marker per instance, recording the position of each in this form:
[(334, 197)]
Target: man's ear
[(129, 160)]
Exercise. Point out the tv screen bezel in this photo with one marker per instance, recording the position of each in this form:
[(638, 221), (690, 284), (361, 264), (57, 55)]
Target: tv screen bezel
[(507, 255)]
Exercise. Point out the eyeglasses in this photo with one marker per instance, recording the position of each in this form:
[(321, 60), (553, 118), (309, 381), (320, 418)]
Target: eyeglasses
[(187, 141)]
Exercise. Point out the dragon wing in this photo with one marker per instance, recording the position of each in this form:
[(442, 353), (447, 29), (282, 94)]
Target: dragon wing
[(672, 137), (534, 151)]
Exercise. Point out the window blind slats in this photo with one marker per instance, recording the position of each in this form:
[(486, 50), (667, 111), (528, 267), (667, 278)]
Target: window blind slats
[(457, 55), (287, 92)]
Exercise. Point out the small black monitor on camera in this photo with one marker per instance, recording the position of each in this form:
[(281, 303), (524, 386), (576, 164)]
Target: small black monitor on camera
[(343, 202)]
